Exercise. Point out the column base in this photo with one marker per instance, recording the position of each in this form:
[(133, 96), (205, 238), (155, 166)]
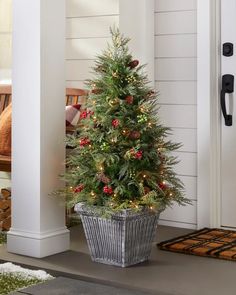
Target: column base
[(38, 245)]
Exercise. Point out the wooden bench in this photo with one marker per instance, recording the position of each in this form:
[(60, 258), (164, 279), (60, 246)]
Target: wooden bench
[(73, 96)]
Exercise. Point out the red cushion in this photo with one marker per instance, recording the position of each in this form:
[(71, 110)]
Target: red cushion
[(5, 131)]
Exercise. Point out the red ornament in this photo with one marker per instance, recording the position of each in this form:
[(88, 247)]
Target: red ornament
[(133, 63), (138, 155), (108, 190), (129, 99), (115, 123), (79, 188), (84, 141)]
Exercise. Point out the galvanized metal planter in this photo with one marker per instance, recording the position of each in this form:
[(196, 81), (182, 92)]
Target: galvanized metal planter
[(123, 240)]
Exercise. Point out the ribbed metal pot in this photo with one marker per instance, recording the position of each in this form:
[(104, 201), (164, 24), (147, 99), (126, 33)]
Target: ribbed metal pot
[(123, 239)]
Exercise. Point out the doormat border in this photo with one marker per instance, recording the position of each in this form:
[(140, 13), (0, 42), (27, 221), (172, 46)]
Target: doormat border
[(204, 246)]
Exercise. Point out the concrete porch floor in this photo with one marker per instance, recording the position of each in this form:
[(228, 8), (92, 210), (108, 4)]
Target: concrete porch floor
[(170, 273)]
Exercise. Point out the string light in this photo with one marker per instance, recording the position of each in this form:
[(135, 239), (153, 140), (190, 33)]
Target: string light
[(92, 194), (151, 208), (171, 194), (144, 175)]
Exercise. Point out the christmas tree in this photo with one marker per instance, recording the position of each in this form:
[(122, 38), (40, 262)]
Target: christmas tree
[(121, 156)]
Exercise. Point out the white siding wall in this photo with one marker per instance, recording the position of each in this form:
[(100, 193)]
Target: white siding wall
[(87, 26), (5, 40), (175, 75)]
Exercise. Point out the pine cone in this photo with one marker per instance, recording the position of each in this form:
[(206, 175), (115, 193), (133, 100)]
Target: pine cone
[(133, 64), (135, 135)]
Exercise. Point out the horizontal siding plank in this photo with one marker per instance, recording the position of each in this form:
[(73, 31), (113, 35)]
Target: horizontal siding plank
[(79, 69), (85, 48), (176, 46), (181, 22), (178, 116), (75, 8), (90, 27), (5, 16), (190, 186), (181, 69), (4, 183), (187, 165), (174, 5), (186, 214), (187, 137), (5, 76), (5, 51), (75, 84), (5, 175), (177, 92)]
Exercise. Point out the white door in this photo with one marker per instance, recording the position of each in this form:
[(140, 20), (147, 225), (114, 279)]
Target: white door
[(228, 112)]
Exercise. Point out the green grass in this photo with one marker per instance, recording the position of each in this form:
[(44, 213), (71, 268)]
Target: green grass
[(10, 283)]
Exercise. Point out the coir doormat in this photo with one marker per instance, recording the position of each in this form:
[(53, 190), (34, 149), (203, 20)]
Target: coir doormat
[(216, 243)]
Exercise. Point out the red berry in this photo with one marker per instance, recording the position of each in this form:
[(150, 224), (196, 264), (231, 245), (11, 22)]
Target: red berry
[(83, 115), (139, 155), (108, 190), (115, 123), (84, 141), (162, 185), (79, 188), (129, 99)]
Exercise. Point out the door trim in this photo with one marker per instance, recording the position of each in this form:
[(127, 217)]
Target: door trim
[(209, 116)]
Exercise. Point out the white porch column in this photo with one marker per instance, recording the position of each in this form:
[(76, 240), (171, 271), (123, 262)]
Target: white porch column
[(137, 23), (38, 220)]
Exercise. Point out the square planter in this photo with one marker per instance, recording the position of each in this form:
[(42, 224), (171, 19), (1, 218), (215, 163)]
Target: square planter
[(124, 239)]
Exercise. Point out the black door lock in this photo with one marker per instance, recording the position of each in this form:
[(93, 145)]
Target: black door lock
[(228, 49), (227, 87)]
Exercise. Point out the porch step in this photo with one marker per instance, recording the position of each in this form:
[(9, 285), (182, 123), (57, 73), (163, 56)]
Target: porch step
[(67, 286)]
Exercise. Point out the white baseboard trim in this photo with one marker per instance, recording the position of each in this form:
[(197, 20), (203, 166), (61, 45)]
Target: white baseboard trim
[(38, 245), (177, 224)]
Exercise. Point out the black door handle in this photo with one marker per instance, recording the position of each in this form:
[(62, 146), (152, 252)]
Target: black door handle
[(227, 87)]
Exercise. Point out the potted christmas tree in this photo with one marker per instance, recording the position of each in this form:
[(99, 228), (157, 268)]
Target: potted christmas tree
[(119, 174)]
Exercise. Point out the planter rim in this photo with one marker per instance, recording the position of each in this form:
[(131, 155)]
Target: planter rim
[(85, 209)]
